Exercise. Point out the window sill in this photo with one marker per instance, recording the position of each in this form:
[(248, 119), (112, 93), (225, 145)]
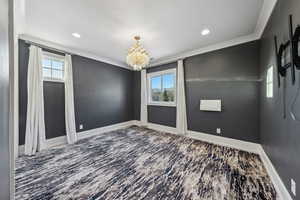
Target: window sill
[(53, 80), (162, 104)]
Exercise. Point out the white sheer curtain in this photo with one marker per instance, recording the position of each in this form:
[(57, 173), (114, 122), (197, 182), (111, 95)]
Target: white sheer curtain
[(69, 101), (35, 138), (181, 118), (144, 112)]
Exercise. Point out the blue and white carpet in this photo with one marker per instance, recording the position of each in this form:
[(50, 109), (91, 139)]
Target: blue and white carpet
[(139, 163)]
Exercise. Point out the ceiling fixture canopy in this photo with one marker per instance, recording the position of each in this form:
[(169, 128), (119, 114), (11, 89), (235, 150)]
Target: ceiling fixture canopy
[(137, 57)]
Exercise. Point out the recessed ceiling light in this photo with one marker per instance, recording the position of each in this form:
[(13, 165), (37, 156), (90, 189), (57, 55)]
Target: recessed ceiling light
[(205, 31), (77, 35)]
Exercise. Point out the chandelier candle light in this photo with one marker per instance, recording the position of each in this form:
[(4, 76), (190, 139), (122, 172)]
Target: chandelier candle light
[(137, 57)]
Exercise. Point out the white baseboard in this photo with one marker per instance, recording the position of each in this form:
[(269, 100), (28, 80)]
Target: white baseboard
[(162, 128), (218, 140), (89, 133), (283, 193), (281, 190), (20, 150), (62, 140), (228, 142)]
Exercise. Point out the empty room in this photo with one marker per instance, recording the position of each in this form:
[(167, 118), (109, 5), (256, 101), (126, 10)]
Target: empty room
[(158, 100)]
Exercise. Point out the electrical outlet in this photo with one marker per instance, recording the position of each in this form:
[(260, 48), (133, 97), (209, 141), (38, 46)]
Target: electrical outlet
[(218, 130), (293, 187), (81, 126)]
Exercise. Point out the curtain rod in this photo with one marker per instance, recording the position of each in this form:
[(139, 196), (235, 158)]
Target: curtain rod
[(47, 47)]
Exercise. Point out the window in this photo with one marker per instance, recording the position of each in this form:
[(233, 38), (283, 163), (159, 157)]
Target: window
[(53, 67), (162, 88), (269, 83)]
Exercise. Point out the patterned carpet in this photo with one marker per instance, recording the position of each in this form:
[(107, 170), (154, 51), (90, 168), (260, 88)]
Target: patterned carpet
[(139, 163)]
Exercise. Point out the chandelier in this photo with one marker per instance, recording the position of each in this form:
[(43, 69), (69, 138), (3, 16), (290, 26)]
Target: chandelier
[(137, 56)]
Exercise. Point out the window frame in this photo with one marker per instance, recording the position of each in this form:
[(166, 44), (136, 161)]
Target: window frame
[(149, 90), (56, 57), (270, 82)]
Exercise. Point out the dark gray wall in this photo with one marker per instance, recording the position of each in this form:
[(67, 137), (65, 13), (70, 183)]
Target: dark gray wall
[(161, 114), (229, 74), (103, 95), (4, 99), (280, 137), (23, 65), (54, 100)]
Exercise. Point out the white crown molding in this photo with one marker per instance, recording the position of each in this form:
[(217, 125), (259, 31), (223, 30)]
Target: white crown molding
[(72, 50), (206, 49), (265, 13)]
